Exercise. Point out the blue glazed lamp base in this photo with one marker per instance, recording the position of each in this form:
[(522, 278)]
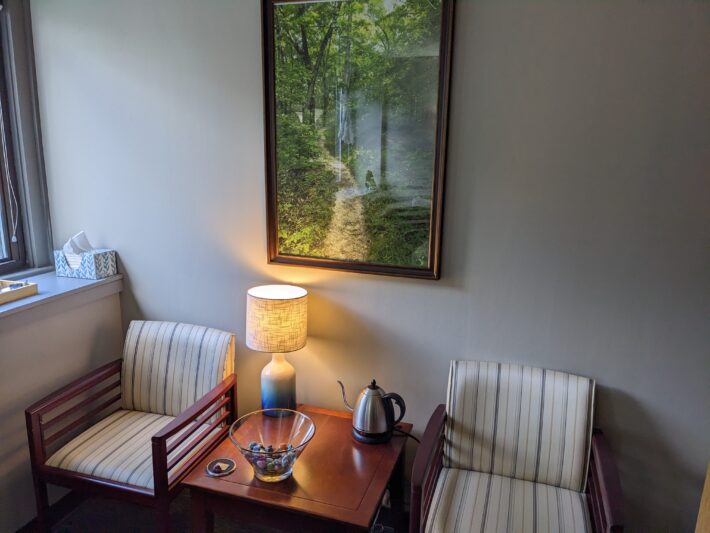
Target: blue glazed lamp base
[(278, 384)]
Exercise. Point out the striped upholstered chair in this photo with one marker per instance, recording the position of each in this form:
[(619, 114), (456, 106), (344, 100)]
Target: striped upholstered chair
[(513, 451), (135, 427)]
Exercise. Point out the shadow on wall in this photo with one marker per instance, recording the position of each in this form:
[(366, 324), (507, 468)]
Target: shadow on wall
[(637, 441), (101, 352), (129, 304), (155, 289)]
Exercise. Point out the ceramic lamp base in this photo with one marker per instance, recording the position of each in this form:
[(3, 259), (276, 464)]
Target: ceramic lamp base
[(278, 384)]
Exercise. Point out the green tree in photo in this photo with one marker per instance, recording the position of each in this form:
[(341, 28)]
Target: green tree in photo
[(306, 188), (356, 97)]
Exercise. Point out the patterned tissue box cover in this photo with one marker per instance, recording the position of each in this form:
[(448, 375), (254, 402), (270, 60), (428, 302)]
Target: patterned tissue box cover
[(96, 264)]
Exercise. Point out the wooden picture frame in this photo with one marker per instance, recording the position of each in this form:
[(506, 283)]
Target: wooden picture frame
[(398, 213)]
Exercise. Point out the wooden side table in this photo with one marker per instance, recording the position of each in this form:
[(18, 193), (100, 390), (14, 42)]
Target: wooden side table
[(337, 483)]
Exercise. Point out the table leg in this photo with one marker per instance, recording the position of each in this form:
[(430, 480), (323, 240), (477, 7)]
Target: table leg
[(202, 516), (397, 495)]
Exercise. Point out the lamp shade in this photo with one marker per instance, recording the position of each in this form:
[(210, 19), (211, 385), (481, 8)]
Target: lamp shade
[(276, 318)]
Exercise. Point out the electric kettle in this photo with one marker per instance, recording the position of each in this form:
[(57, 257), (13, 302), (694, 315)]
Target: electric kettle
[(373, 414)]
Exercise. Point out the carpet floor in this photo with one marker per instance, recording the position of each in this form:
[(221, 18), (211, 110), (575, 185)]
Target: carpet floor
[(98, 515)]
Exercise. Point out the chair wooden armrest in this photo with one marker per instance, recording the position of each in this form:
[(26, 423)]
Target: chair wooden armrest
[(604, 487), (209, 413), (426, 469), (37, 426)]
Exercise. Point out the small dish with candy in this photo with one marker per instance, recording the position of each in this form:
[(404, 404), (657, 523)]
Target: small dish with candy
[(271, 440)]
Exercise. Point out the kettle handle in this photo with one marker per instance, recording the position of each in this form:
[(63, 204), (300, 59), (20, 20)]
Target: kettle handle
[(396, 398)]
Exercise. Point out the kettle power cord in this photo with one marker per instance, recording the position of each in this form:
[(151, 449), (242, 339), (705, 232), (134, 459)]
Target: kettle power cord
[(407, 434)]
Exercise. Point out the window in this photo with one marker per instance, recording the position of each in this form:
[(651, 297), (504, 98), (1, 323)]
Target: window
[(25, 237), (12, 246)]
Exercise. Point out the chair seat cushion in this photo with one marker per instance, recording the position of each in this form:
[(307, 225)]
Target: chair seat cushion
[(117, 448), (465, 500)]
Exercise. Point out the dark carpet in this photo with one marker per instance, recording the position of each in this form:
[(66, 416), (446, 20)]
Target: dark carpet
[(98, 515)]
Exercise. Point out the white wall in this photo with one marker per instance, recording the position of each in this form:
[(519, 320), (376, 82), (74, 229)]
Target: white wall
[(576, 217), (41, 350)]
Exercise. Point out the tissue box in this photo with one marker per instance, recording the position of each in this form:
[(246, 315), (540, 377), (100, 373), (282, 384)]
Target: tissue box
[(96, 264)]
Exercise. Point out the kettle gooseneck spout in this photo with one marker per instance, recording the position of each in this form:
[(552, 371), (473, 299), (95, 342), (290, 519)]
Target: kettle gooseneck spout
[(345, 399)]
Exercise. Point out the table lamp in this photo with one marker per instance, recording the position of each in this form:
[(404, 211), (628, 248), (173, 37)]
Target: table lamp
[(276, 323)]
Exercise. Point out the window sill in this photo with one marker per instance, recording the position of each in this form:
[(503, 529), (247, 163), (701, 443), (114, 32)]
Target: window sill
[(53, 288), (27, 274)]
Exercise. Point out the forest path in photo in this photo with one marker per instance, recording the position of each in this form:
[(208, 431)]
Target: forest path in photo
[(347, 235)]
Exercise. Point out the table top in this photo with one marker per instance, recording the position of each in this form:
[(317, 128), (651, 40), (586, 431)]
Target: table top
[(335, 478)]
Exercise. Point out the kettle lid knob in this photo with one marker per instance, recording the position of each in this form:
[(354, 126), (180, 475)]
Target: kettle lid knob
[(373, 385)]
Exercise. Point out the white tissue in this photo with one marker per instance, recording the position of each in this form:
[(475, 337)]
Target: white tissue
[(76, 246)]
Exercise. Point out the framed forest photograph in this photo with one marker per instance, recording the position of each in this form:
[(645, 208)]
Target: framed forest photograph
[(356, 104)]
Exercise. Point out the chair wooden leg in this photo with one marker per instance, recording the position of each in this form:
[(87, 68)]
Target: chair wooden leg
[(42, 501)]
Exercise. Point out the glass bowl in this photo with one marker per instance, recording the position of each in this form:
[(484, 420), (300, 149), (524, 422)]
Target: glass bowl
[(271, 440)]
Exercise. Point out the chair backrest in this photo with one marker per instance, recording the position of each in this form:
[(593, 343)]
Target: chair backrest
[(168, 366), (520, 422)]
